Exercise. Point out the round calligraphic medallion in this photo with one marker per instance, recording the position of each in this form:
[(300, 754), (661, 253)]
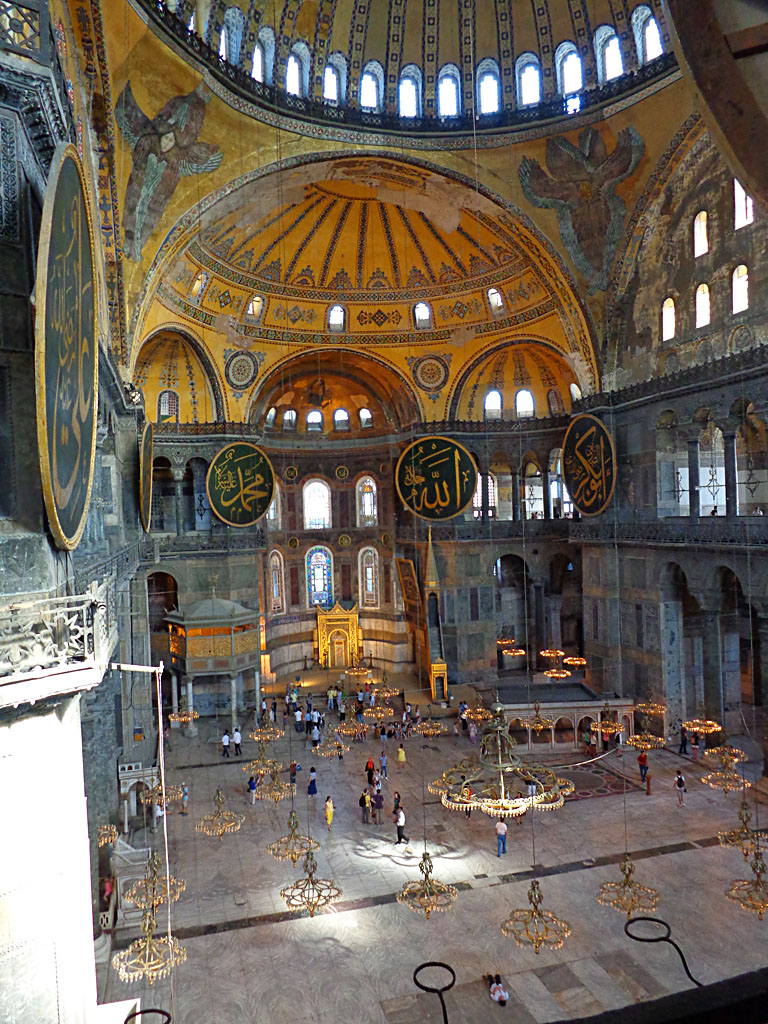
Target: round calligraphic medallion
[(345, 540), (436, 478), (589, 464), (146, 456), (293, 543), (291, 473), (66, 350), (430, 373), (240, 370), (240, 484), (342, 472)]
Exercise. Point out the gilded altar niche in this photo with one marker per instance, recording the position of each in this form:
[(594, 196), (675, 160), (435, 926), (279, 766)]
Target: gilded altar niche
[(338, 636)]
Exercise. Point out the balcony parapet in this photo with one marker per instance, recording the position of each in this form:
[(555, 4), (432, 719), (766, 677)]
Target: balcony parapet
[(742, 531)]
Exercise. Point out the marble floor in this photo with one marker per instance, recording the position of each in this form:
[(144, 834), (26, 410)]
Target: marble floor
[(249, 959)]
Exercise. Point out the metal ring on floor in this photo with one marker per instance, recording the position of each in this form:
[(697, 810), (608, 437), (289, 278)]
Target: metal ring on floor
[(437, 991), (660, 938), (165, 1017)]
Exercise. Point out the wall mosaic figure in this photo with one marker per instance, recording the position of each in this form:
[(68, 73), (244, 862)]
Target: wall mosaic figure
[(165, 149), (580, 184)]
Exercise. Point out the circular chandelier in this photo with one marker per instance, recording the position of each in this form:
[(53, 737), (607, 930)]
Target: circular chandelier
[(377, 712), (478, 714), (555, 658), (701, 724), (645, 739), (627, 896), (106, 834), (331, 748), (651, 707), (508, 645), (608, 720), (294, 846), (429, 728), (310, 893), (357, 670), (743, 838), (148, 957), (261, 766), (430, 895), (725, 776), (752, 894), (506, 636), (266, 734), (538, 722), (220, 822), (155, 889), (155, 795), (275, 789), (184, 715), (385, 692), (350, 728), (497, 782), (536, 927), (575, 661)]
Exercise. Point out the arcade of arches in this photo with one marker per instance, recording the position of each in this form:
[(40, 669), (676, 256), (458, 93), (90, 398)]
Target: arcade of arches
[(330, 230)]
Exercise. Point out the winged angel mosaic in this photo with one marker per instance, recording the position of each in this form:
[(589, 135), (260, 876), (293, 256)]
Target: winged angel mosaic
[(165, 149), (580, 185)]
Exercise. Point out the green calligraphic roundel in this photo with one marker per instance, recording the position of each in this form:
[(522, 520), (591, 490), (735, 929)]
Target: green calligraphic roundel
[(436, 478), (240, 484), (589, 465), (66, 350), (146, 457)]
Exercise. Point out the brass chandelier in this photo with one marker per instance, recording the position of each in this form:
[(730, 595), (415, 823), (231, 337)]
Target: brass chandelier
[(310, 893), (275, 789), (536, 927), (294, 846), (160, 796), (106, 834), (385, 692), (331, 747), (220, 822), (184, 715), (155, 889), (608, 720), (377, 712), (752, 894), (430, 728), (430, 895), (149, 957), (701, 724), (266, 734), (554, 658), (538, 722), (744, 837), (627, 896), (725, 776), (645, 739), (508, 645)]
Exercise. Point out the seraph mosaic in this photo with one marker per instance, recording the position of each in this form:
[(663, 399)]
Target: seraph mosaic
[(579, 183), (165, 149)]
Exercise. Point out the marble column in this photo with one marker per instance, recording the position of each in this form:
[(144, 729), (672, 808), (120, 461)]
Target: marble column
[(712, 661), (731, 667), (233, 700), (672, 659), (516, 516), (540, 638), (546, 494), (731, 496), (174, 697), (178, 482), (484, 498), (257, 689), (760, 666), (191, 729), (693, 478)]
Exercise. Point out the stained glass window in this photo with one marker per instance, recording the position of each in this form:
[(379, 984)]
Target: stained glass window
[(319, 576)]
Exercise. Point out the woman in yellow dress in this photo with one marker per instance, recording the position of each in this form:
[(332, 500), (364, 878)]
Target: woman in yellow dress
[(401, 756), (329, 812)]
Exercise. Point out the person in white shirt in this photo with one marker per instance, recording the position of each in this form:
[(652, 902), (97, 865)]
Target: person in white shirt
[(401, 837), (496, 990), (298, 717), (225, 744), (237, 739), (501, 836)]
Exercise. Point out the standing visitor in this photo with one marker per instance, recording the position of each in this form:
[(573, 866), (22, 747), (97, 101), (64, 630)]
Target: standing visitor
[(252, 790), (395, 804), (312, 787), (679, 785), (383, 763), (683, 740), (365, 806), (369, 770), (329, 812), (401, 756), (297, 717), (378, 807), (642, 762), (237, 739), (315, 735), (472, 732), (694, 746), (292, 772), (400, 825), (225, 744), (184, 799), (501, 837)]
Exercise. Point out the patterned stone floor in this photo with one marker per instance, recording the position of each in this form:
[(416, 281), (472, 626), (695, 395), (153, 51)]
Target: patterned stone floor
[(249, 959)]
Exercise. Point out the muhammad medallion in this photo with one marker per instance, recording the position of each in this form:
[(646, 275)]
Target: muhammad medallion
[(589, 464), (146, 457), (240, 484), (66, 350), (436, 478)]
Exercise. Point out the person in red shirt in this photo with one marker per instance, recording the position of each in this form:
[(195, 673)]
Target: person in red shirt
[(642, 761)]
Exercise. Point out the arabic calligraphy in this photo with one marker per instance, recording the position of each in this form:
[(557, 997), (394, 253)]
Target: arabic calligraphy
[(66, 355), (589, 465), (436, 478), (240, 484)]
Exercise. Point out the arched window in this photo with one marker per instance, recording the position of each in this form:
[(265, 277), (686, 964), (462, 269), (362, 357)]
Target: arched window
[(368, 573), (555, 402), (314, 421), (257, 64), (270, 420), (477, 497), (372, 86), (493, 405), (740, 289), (232, 35), (337, 318), (409, 91), (319, 566), (569, 75), (266, 39), (647, 35), (367, 513), (524, 403), (700, 238), (608, 53), (330, 84), (337, 65), (422, 315), (668, 319), (575, 392), (274, 512), (495, 300), (488, 87), (366, 418), (168, 407), (341, 420), (702, 305), (293, 76), (276, 584), (289, 419), (254, 308), (528, 76), (743, 209), (316, 498), (448, 91), (197, 290), (191, 23)]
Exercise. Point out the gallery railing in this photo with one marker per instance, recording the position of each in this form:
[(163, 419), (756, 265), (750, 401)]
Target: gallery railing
[(744, 531), (25, 29)]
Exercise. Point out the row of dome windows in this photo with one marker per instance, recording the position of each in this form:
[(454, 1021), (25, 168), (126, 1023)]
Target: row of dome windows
[(525, 406), (315, 420), (487, 99)]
